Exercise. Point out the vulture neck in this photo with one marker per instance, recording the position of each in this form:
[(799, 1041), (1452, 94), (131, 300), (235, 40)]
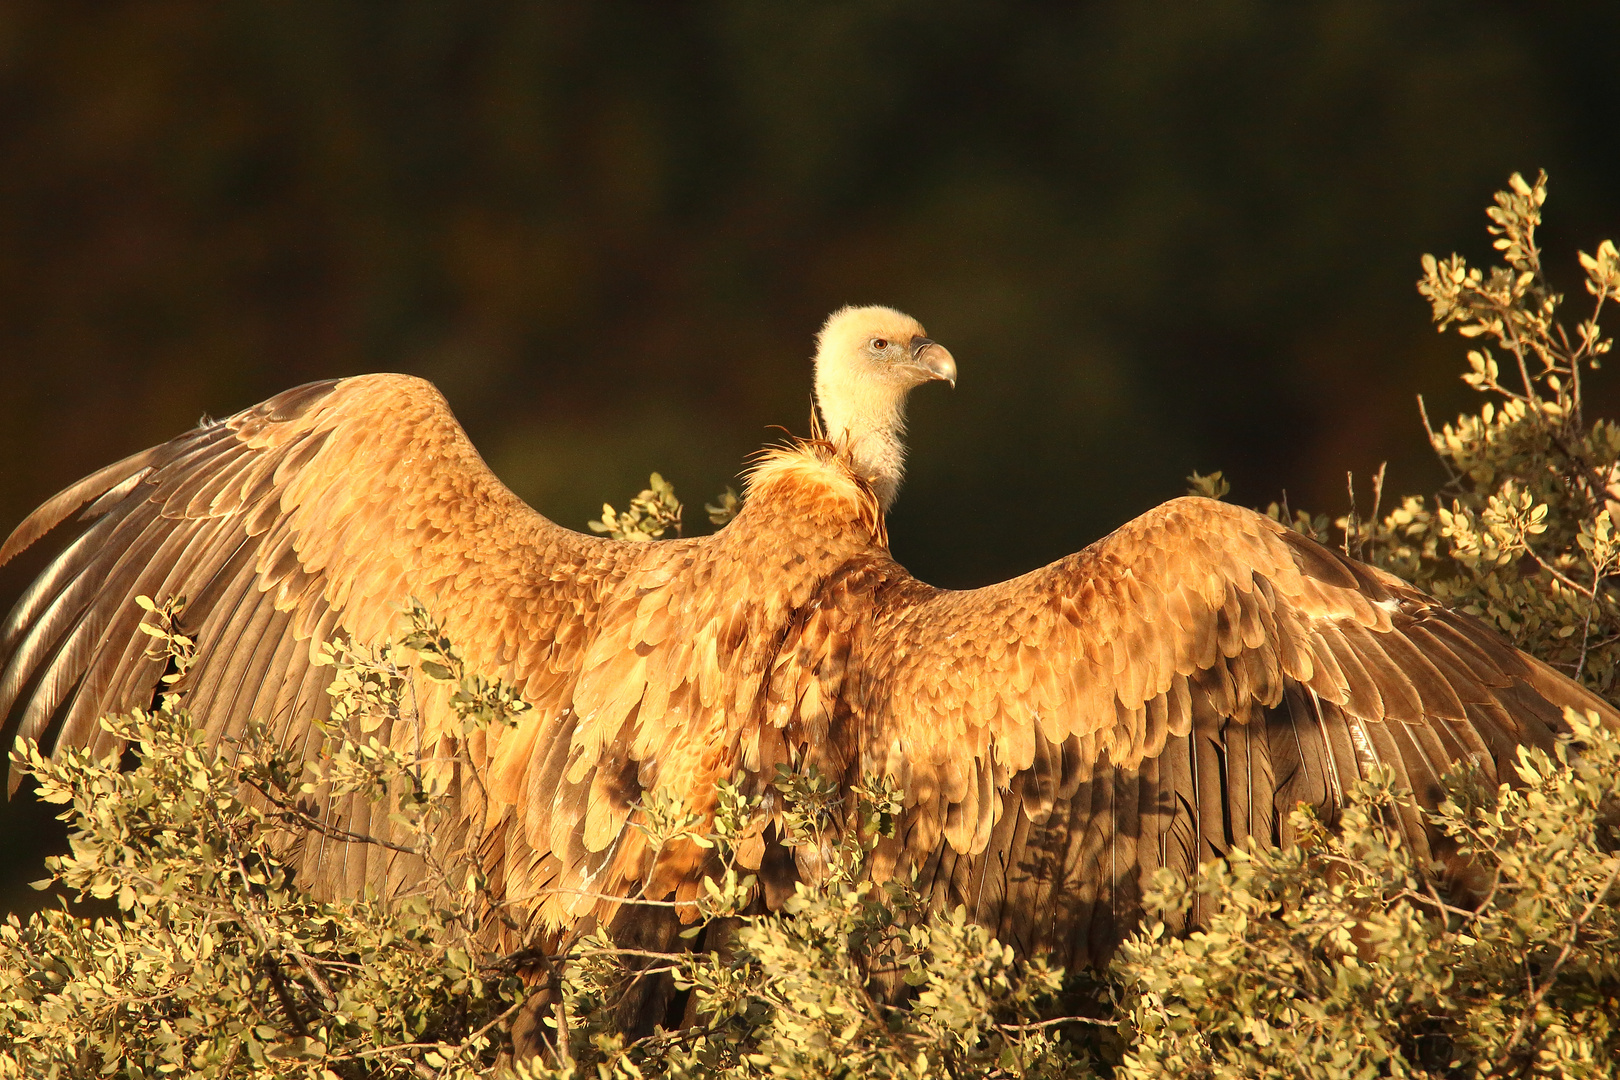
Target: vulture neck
[(867, 424)]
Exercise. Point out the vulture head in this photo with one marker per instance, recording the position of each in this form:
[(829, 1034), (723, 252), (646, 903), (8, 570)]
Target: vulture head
[(867, 360)]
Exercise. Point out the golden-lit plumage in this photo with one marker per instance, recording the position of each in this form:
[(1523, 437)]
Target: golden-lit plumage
[(1149, 701)]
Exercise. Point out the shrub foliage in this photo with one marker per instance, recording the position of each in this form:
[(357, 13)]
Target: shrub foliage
[(1334, 957)]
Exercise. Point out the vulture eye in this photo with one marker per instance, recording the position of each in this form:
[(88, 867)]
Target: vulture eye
[(880, 343)]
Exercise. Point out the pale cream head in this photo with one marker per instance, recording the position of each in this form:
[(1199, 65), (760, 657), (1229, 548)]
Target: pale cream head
[(867, 360)]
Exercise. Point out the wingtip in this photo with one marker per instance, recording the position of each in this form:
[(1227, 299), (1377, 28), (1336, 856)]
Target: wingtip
[(56, 509)]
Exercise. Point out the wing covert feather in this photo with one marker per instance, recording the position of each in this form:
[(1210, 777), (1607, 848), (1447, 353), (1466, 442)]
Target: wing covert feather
[(1209, 668), (320, 513)]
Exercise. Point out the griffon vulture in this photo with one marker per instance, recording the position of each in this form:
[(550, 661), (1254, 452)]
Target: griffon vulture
[(1152, 700)]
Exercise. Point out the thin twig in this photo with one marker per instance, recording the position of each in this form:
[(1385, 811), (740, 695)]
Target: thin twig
[(1434, 901), (289, 1007), (1056, 1020), (1578, 412), (559, 1008), (1434, 441), (1586, 630), (1352, 523), (635, 901), (1378, 492), (290, 814), (514, 1007), (1560, 575), (1516, 346), (640, 954)]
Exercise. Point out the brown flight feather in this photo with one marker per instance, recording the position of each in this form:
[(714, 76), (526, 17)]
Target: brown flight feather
[(1153, 700)]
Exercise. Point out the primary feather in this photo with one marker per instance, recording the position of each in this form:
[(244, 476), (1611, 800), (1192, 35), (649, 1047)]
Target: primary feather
[(1153, 700)]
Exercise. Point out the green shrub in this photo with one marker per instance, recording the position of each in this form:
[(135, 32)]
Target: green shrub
[(1335, 957), (218, 963), (1338, 957), (1523, 535)]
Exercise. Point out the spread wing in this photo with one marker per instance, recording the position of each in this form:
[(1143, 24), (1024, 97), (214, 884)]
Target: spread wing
[(1152, 701), (319, 514)]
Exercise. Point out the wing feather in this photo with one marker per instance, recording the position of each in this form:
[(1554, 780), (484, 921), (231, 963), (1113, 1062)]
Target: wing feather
[(56, 509), (1204, 671), (318, 515), (44, 590)]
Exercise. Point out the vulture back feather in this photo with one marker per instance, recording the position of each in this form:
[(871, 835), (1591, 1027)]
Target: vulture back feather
[(1153, 700)]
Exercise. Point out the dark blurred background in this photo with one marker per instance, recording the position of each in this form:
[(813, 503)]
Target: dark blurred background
[(1157, 238)]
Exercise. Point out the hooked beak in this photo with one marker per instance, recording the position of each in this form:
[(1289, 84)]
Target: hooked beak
[(934, 358)]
